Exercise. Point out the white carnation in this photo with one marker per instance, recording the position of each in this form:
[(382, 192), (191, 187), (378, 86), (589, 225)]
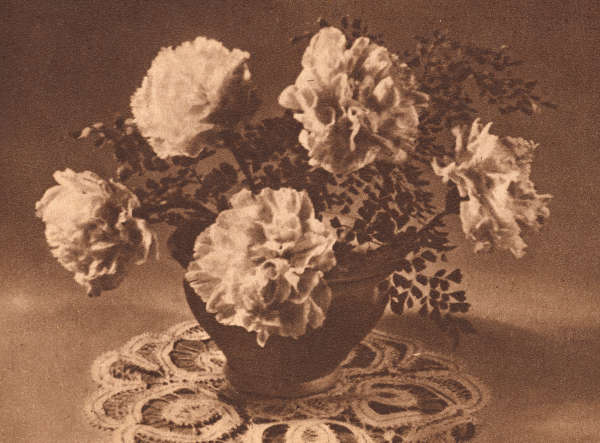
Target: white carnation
[(261, 264), (493, 173), (190, 93), (356, 105), (91, 230)]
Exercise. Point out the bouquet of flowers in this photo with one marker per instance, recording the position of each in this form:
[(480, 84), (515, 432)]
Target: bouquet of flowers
[(267, 212)]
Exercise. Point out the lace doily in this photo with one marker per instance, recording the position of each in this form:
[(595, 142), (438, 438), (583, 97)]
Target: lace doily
[(170, 388)]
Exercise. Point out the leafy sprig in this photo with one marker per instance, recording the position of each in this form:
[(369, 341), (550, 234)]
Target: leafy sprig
[(460, 80), (384, 209)]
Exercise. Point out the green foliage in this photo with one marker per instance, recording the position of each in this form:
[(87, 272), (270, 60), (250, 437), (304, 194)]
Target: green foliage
[(162, 186), (460, 78), (433, 296), (383, 206)]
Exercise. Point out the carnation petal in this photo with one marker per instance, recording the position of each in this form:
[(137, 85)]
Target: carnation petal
[(355, 105), (288, 99), (324, 53), (385, 93), (493, 172), (265, 282), (91, 230), (189, 92)]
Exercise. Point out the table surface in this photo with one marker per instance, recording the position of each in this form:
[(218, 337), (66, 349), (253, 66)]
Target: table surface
[(71, 63), (543, 383)]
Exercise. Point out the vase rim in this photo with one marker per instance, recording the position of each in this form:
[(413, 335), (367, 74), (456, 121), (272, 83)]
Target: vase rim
[(356, 278)]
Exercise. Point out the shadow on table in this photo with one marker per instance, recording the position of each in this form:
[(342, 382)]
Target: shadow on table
[(544, 386)]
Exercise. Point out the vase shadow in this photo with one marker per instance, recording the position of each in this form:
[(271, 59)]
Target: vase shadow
[(543, 385)]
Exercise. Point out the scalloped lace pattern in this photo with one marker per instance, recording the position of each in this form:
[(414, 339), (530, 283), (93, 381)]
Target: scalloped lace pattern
[(170, 388)]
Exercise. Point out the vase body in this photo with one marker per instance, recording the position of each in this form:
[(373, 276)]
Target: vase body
[(288, 367)]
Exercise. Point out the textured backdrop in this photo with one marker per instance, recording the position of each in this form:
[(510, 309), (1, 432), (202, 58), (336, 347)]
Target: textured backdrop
[(65, 64)]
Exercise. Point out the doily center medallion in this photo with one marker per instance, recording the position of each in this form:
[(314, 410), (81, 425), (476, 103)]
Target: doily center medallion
[(170, 388)]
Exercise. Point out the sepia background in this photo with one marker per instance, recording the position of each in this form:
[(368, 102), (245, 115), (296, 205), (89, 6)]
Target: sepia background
[(65, 64)]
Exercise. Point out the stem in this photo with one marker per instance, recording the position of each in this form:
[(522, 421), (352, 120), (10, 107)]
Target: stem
[(245, 170), (434, 220), (381, 262), (147, 208), (196, 175)]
